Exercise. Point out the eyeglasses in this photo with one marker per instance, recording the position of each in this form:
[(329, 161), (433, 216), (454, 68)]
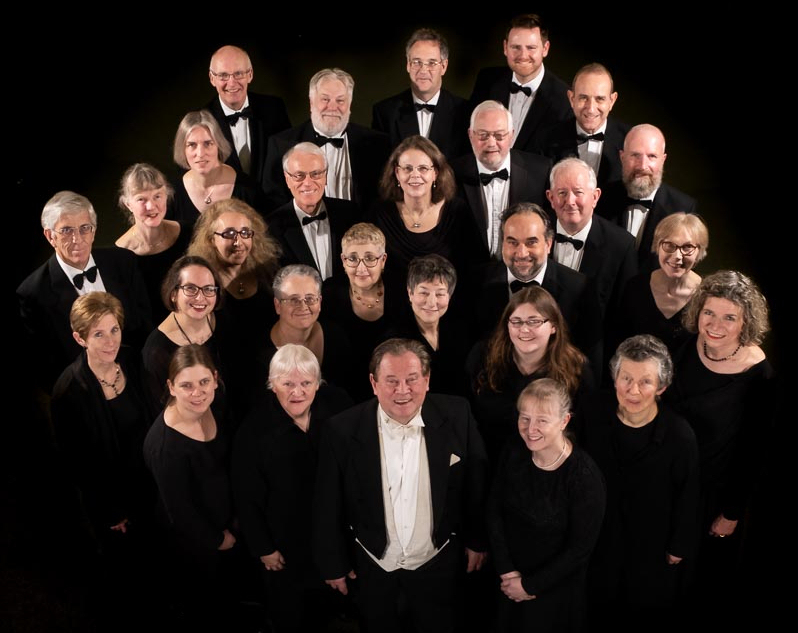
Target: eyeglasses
[(239, 74), (672, 247), (421, 169), (532, 323), (231, 234), (191, 290), (69, 231), (296, 302), (370, 261), (299, 176), (483, 135), (432, 64)]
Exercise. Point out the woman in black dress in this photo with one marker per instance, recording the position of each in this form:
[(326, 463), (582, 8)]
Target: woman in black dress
[(544, 515), (273, 473)]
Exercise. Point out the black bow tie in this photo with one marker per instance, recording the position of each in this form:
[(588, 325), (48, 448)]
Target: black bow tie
[(338, 141), (584, 138), (424, 106), (89, 273), (486, 178), (514, 87), (309, 219), (232, 119), (516, 285), (643, 203), (560, 238)]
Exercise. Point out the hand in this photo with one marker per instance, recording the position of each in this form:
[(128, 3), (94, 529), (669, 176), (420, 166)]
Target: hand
[(475, 560), (722, 527), (273, 561), (339, 584), (512, 588), (121, 526), (672, 560), (228, 542)]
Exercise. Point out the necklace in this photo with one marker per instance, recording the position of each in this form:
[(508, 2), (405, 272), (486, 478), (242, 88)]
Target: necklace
[(720, 360), (208, 198), (360, 299), (112, 385), (240, 287), (183, 332), (555, 462)]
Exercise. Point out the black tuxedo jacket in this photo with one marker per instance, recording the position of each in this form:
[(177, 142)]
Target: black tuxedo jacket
[(284, 225), (560, 142), (348, 500), (529, 179), (612, 205), (269, 116), (45, 299), (368, 153), (396, 117), (549, 107)]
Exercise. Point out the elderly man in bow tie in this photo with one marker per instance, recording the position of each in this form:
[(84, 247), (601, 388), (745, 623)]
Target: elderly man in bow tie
[(494, 176), (247, 119), (355, 154), (45, 297)]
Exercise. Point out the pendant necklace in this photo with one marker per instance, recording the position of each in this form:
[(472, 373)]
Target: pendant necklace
[(112, 385), (183, 332)]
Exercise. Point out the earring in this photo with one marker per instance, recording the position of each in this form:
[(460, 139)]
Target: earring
[(397, 184), (434, 184)]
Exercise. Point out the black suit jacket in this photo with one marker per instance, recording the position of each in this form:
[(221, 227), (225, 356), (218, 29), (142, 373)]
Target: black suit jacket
[(368, 153), (269, 116), (284, 225), (560, 142), (45, 299), (612, 205), (549, 107), (348, 500), (396, 117), (529, 179)]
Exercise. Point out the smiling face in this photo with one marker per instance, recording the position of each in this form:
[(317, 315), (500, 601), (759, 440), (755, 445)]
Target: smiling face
[(202, 153), (490, 152), (592, 100), (148, 207), (528, 340), (524, 245), (400, 386), (193, 388), (102, 340), (361, 276), (227, 61), (295, 392), (308, 192), (430, 301), (525, 51), (418, 183), (73, 249), (232, 252), (643, 161), (541, 423), (426, 80), (676, 265), (720, 323), (302, 316), (637, 388), (573, 198), (330, 106), (198, 307)]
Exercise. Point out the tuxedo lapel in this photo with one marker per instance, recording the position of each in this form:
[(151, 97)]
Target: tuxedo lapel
[(369, 463), (593, 246), (438, 458), (295, 238), (407, 121)]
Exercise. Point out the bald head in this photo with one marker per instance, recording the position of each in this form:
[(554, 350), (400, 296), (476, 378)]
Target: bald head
[(231, 73), (643, 160)]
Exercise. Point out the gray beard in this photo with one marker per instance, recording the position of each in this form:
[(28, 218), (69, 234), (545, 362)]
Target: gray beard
[(642, 186)]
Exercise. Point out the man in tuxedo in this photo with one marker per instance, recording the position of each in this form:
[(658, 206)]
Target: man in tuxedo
[(535, 96), (355, 154), (45, 297), (426, 108), (640, 200), (310, 227), (591, 133), (494, 176), (400, 494), (247, 119)]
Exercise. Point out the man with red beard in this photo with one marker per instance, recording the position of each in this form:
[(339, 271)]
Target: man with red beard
[(640, 200)]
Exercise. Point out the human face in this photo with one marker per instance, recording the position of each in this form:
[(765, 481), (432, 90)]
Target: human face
[(541, 424), (676, 265), (720, 324), (525, 50), (415, 185), (148, 207), (307, 193), (490, 152), (295, 392), (202, 153), (527, 340), (103, 339), (303, 316), (198, 307), (193, 388), (232, 92), (400, 386), (73, 249), (430, 301), (524, 245), (426, 81), (362, 276), (572, 197), (232, 252), (637, 388), (642, 162), (592, 100), (330, 106)]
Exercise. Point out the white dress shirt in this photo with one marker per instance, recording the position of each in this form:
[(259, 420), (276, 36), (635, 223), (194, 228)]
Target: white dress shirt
[(425, 116), (495, 199), (519, 103), (241, 136), (88, 286), (636, 216), (339, 170), (317, 235), (590, 152), (565, 253)]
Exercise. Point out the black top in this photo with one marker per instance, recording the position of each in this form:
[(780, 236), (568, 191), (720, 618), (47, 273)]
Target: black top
[(245, 188)]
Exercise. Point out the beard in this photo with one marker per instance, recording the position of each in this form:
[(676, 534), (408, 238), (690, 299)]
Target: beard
[(640, 185), (329, 126)]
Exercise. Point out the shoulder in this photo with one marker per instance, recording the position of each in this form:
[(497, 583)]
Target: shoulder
[(612, 232), (34, 280), (393, 102), (554, 83), (534, 162)]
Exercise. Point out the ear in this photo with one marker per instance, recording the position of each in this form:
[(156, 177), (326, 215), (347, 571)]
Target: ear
[(444, 66), (661, 391), (48, 235), (171, 387), (566, 420), (78, 338), (277, 305), (373, 382)]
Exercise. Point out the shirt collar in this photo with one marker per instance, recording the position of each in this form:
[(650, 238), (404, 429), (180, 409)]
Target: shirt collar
[(228, 111)]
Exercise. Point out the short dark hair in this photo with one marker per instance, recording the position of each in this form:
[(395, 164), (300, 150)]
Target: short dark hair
[(397, 347), (528, 21), (172, 279), (527, 208), (429, 268)]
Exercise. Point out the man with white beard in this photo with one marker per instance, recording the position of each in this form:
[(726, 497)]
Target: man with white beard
[(355, 154)]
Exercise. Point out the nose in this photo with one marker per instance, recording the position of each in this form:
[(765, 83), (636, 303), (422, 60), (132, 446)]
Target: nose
[(522, 251)]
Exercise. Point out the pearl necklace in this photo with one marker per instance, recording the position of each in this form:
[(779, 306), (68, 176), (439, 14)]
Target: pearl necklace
[(368, 305), (720, 360), (555, 462), (112, 385)]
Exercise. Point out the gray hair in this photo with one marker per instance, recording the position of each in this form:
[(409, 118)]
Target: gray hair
[(569, 162), (487, 106), (641, 348), (301, 270), (293, 356), (66, 203), (331, 73), (307, 148)]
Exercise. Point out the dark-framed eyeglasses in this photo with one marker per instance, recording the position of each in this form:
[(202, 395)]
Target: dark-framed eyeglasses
[(69, 231), (296, 301), (370, 261), (299, 176), (239, 74), (532, 323), (231, 234), (672, 247), (432, 64), (192, 290)]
